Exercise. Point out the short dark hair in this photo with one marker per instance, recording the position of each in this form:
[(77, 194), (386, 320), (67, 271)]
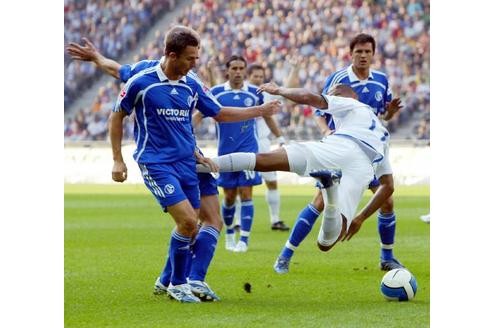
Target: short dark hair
[(343, 90), (233, 58), (363, 38), (255, 67), (179, 38)]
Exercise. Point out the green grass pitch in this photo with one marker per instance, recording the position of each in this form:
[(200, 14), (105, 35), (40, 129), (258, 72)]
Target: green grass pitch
[(116, 238)]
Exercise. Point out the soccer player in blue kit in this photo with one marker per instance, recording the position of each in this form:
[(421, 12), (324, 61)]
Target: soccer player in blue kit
[(372, 88), (237, 137), (163, 97)]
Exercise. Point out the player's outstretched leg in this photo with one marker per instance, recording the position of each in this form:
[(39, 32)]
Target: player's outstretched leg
[(332, 224), (302, 227)]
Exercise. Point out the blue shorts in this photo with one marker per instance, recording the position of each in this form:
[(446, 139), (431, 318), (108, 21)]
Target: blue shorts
[(231, 180), (207, 184), (374, 183), (172, 183)]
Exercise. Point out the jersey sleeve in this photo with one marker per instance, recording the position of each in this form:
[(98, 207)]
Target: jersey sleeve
[(128, 97), (129, 70), (207, 104), (384, 167), (328, 83)]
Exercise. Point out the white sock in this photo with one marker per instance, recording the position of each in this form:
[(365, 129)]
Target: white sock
[(331, 225), (273, 199), (234, 162), (237, 214)]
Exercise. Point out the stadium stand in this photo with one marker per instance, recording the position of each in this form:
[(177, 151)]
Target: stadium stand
[(268, 33)]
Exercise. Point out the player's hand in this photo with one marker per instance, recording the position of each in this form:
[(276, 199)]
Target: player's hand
[(87, 52), (393, 107), (281, 141), (353, 228), (271, 88), (119, 171), (206, 161), (270, 108)]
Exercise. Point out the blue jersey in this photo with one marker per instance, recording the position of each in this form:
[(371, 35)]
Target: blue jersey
[(237, 136), (163, 129), (374, 91)]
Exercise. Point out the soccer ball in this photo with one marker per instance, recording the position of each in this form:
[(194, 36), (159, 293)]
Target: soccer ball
[(399, 285)]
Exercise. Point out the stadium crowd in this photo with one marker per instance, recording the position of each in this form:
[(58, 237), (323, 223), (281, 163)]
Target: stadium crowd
[(315, 32), (115, 27)]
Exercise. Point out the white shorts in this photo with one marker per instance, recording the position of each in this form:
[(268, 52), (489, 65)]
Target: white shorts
[(337, 153), (264, 147)]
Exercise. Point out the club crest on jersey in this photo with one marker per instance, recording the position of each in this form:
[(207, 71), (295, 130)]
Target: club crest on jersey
[(122, 93), (378, 96), (248, 102), (169, 189)]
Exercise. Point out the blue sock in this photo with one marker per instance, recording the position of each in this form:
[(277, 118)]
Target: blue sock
[(386, 229), (203, 251), (305, 221), (228, 217), (166, 273), (178, 254), (247, 213)]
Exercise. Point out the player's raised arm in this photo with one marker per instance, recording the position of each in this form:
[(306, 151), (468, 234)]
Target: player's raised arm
[(297, 95), (88, 52), (234, 114), (392, 107)]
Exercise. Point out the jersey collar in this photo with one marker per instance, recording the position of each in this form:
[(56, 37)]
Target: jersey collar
[(353, 77), (227, 86), (163, 77)]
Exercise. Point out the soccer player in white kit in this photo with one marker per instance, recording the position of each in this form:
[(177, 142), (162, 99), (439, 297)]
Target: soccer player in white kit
[(344, 162)]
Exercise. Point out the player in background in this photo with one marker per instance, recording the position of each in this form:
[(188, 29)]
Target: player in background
[(264, 126), (372, 89), (344, 162), (207, 237), (237, 137)]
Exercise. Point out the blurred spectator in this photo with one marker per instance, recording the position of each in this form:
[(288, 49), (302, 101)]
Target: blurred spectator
[(114, 26), (269, 33)]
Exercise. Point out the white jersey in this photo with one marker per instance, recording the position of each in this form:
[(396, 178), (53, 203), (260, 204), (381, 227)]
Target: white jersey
[(356, 120)]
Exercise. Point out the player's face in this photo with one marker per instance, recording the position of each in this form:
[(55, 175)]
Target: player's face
[(236, 72), (362, 54), (257, 77), (187, 60)]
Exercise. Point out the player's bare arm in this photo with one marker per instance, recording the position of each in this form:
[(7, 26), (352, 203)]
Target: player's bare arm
[(297, 95), (392, 107), (233, 114), (272, 125), (88, 52), (119, 170), (196, 118), (384, 191)]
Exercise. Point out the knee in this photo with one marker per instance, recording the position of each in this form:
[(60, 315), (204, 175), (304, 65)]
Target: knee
[(188, 227), (212, 219), (271, 185)]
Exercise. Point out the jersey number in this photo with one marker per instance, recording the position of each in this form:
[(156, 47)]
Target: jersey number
[(373, 126), (249, 174)]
